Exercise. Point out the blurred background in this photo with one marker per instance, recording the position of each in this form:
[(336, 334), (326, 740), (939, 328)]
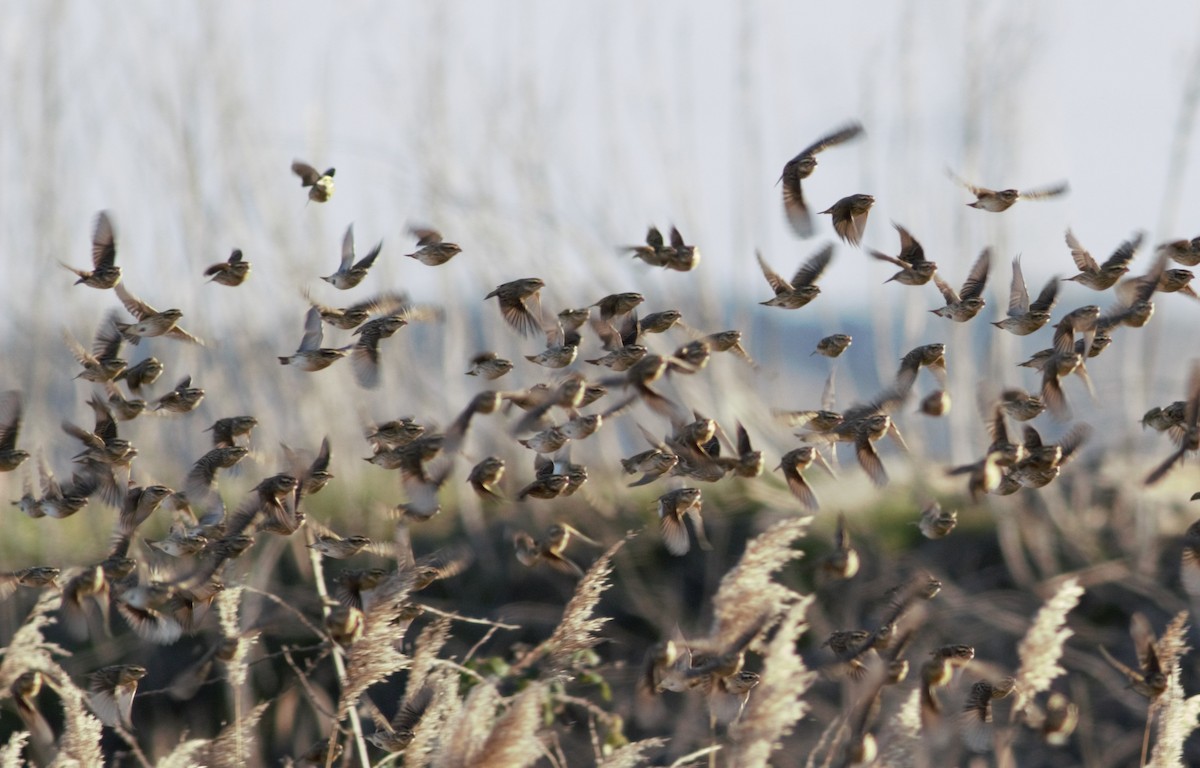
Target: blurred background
[(542, 137)]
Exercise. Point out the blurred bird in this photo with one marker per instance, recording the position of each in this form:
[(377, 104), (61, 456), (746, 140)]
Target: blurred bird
[(1185, 252), (144, 373), (182, 399), (310, 355), (850, 217), (1100, 277), (364, 356), (105, 273), (655, 252), (796, 461), (660, 322), (976, 722), (842, 563), (1021, 405), (489, 365), (1150, 679), (320, 184), (802, 289), (227, 430), (1190, 439), (339, 548), (681, 257), (350, 272), (349, 318), (801, 167), (124, 409), (432, 251), (962, 307), (150, 322), (833, 346), (231, 272), (111, 691), (1044, 462), (520, 304), (915, 269), (485, 475), (559, 352), (550, 548), (936, 403), (103, 363), (672, 507), (1001, 200), (1025, 317), (936, 523), (11, 407)]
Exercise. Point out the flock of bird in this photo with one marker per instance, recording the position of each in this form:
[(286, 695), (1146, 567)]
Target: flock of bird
[(205, 536)]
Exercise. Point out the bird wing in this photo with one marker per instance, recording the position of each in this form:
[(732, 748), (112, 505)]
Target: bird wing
[(777, 283), (313, 334), (347, 249), (1018, 296), (104, 249), (977, 278), (1083, 259), (136, 307), (811, 271), (1040, 193)]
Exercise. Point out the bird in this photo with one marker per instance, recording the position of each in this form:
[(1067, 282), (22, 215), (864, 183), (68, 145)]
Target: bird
[(655, 252), (226, 430), (105, 272), (559, 353), (1190, 439), (110, 692), (915, 269), (681, 257), (796, 461), (11, 408), (484, 476), (143, 373), (1001, 200), (489, 365), (364, 356), (232, 272), (432, 250), (936, 523), (801, 167), (103, 363), (1150, 679), (349, 318), (320, 184), (833, 346), (850, 217), (843, 562), (1024, 316), (660, 322), (672, 507), (1101, 277), (350, 272), (150, 322), (520, 304), (337, 547), (962, 307), (802, 289), (550, 548), (310, 355), (183, 398)]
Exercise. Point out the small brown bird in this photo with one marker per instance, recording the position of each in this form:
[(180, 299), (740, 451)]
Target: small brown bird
[(310, 355), (350, 272), (660, 322), (833, 346), (489, 365), (559, 352), (549, 549), (977, 728), (338, 548), (1190, 440), (364, 356), (618, 304), (1021, 405), (1185, 252), (105, 273), (936, 403), (143, 373), (520, 304), (227, 430), (802, 289), (931, 356), (182, 399), (485, 475), (935, 523), (124, 409), (11, 456), (432, 251), (103, 363), (672, 507), (842, 563), (349, 318), (111, 691), (1001, 200), (655, 252), (320, 184), (850, 217), (1100, 277), (796, 461), (801, 167), (345, 625), (150, 322), (34, 577), (545, 487), (915, 269), (231, 272), (1024, 316), (1150, 679), (962, 307), (681, 257), (1044, 462)]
